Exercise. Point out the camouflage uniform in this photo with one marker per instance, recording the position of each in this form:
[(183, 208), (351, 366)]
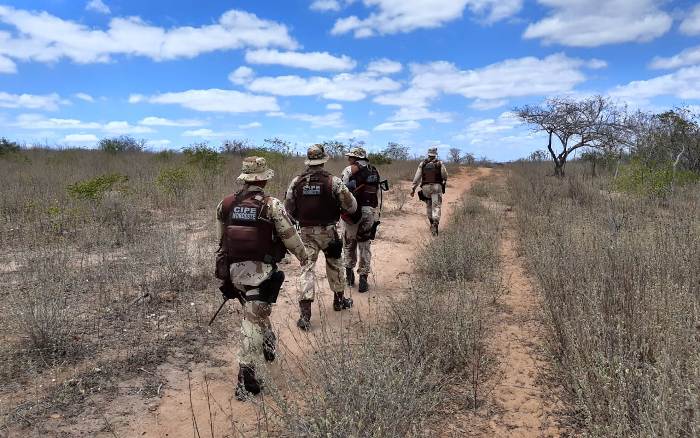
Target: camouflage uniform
[(318, 238), (248, 275), (432, 191), (357, 236)]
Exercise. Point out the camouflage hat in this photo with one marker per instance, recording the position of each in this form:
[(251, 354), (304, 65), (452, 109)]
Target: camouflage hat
[(432, 152), (357, 152), (255, 169), (316, 155)]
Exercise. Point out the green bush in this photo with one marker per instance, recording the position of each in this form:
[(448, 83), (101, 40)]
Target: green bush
[(378, 158), (123, 143), (652, 180), (174, 180), (95, 188), (205, 158), (7, 146)]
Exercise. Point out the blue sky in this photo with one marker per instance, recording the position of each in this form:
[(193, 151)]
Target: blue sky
[(420, 72)]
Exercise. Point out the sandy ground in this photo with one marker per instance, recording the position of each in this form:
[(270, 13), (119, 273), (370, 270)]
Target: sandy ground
[(216, 409)]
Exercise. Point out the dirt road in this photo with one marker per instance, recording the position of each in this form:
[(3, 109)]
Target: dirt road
[(401, 234)]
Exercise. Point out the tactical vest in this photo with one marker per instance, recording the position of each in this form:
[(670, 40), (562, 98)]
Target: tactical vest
[(432, 172), (367, 182), (314, 200), (249, 233)]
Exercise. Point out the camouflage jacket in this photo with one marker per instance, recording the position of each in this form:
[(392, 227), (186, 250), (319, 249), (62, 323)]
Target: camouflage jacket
[(342, 194), (253, 273), (417, 179)]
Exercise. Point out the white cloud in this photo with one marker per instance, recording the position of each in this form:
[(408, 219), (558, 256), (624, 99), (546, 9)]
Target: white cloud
[(42, 37), (317, 61), (7, 65), (687, 57), (252, 125), (160, 121), (334, 119), (420, 113), (38, 121), (208, 133), (97, 6), (124, 128), (682, 84), (398, 126), (384, 66), (691, 24), (242, 75), (47, 102), (216, 100), (401, 16), (344, 87), (593, 23), (325, 5), (80, 138), (334, 106), (136, 98), (487, 104), (84, 96), (355, 133)]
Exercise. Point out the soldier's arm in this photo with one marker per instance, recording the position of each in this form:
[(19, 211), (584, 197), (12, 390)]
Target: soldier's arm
[(289, 203), (219, 222), (347, 173), (347, 201), (443, 171), (286, 231), (418, 176)]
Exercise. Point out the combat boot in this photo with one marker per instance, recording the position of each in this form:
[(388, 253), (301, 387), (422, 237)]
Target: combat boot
[(350, 276), (270, 346), (363, 286), (248, 384), (304, 322), (340, 302)]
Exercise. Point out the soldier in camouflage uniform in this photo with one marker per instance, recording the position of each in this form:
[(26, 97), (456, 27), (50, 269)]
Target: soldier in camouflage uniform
[(431, 175), (316, 199), (255, 233), (363, 180)]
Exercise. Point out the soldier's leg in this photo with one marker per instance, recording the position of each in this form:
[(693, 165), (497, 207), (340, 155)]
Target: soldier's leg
[(428, 203), (254, 328), (437, 206), (335, 272), (350, 245), (308, 272), (363, 247)]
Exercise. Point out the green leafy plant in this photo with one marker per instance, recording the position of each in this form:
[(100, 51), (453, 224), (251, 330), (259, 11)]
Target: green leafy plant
[(652, 180), (378, 158), (205, 158), (123, 143), (174, 180), (95, 188), (7, 147)]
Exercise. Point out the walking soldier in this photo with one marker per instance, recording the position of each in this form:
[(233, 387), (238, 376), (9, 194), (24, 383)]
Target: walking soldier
[(316, 199), (431, 175), (363, 180), (254, 233)]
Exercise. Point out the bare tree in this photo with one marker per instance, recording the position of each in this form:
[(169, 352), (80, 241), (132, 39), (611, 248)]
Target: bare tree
[(455, 155), (469, 159), (335, 148), (593, 122), (396, 151)]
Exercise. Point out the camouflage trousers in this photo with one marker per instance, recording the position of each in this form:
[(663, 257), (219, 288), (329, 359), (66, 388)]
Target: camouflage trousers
[(433, 206), (255, 327), (356, 240), (317, 240)]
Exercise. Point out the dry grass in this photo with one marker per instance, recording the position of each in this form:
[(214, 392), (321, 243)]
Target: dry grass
[(621, 282), (116, 282), (393, 376)]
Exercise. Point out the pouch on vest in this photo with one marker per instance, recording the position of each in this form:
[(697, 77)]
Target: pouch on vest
[(373, 232), (269, 289), (422, 196), (334, 250)]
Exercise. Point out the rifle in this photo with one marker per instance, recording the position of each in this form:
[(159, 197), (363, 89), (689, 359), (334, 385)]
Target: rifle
[(225, 288)]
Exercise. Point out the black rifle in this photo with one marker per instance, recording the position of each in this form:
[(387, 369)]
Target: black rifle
[(229, 291)]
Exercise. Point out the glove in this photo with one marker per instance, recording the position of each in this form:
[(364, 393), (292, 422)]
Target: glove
[(413, 192)]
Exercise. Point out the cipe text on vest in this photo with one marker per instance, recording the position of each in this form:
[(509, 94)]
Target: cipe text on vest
[(244, 213)]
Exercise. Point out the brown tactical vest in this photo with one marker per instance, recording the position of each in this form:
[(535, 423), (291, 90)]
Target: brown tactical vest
[(432, 172), (250, 233), (314, 199), (367, 185)]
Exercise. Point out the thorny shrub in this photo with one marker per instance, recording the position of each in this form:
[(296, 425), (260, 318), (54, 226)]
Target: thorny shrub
[(621, 282)]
